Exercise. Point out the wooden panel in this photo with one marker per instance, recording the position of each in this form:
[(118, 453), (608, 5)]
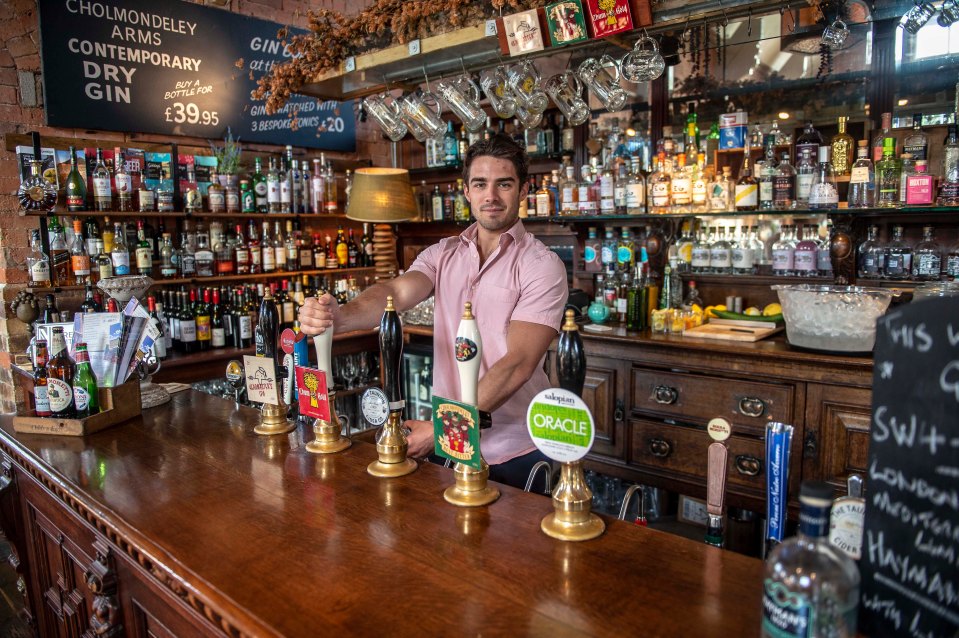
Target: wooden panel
[(698, 398), (840, 419), (601, 392)]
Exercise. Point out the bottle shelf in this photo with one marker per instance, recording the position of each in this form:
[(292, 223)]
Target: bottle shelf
[(855, 212), (179, 214), (201, 281)]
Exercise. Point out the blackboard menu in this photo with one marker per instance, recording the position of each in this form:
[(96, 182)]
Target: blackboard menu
[(910, 554), (171, 68)]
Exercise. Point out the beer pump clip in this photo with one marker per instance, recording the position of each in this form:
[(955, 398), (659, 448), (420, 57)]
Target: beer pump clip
[(328, 438), (471, 488), (263, 375), (391, 443), (717, 455)]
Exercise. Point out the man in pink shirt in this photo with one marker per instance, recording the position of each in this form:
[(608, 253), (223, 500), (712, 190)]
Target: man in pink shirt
[(518, 290)]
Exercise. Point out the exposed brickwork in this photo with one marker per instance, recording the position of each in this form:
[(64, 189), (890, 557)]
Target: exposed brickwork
[(19, 37)]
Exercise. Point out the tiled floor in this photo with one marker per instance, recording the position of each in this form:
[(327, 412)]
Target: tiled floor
[(11, 626)]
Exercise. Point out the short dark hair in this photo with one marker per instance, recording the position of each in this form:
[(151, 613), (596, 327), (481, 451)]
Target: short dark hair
[(503, 147)]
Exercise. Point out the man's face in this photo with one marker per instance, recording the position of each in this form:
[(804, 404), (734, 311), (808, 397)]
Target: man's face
[(494, 192)]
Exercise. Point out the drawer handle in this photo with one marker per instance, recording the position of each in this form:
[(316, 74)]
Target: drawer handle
[(750, 406), (665, 394), (748, 465), (660, 448)]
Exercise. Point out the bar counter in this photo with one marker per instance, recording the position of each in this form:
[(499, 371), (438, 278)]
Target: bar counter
[(212, 529)]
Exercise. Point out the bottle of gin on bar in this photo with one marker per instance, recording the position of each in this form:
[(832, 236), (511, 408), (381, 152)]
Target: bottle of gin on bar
[(319, 188), (76, 188), (877, 140), (823, 194), (124, 183), (102, 191), (916, 143), (331, 195), (898, 256), (747, 190), (192, 200), (842, 149), (810, 588), (871, 256), (862, 179), (805, 171), (888, 176), (273, 187), (258, 183), (810, 139), (284, 177), (784, 184), (927, 261), (215, 193), (949, 184), (767, 173)]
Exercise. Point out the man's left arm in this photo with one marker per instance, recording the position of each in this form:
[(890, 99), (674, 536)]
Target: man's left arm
[(526, 343)]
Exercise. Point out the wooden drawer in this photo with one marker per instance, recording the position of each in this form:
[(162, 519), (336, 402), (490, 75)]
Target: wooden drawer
[(679, 451), (696, 399)]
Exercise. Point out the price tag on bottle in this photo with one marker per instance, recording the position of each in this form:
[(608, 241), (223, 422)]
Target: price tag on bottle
[(560, 425), (261, 386)]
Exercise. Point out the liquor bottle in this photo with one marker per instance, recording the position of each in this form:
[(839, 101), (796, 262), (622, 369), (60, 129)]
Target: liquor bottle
[(949, 184), (767, 174), (352, 252), (907, 166), (202, 316), (681, 186), (436, 204), (241, 253), (295, 180), (273, 187), (720, 254), (743, 255), (159, 345), (810, 588), (319, 252), (284, 186), (720, 192), (584, 193), (168, 269), (120, 255), (76, 188), (330, 196), (608, 251), (950, 259), (89, 303), (543, 200), (888, 176), (701, 253), (366, 247), (143, 252), (60, 371), (259, 186), (331, 261), (203, 256), (86, 398), (862, 180), (102, 191), (461, 205), (41, 400), (192, 199), (79, 258), (877, 140), (279, 248), (872, 258), (305, 250), (784, 253), (660, 186), (784, 185), (342, 249), (635, 189), (187, 324), (592, 251), (823, 194), (625, 253), (224, 263), (700, 191), (450, 146), (317, 188), (920, 186), (219, 323), (147, 198), (91, 230), (842, 149), (104, 262), (809, 139), (805, 173), (807, 252), (917, 142), (60, 267), (247, 197), (637, 300), (123, 182), (898, 256), (267, 252), (824, 252), (292, 251), (927, 262), (215, 193), (747, 190)]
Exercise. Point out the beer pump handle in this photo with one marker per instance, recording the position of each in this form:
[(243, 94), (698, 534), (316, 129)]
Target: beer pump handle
[(571, 357), (324, 359), (469, 353), (391, 349)]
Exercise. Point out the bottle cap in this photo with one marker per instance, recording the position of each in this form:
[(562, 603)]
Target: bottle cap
[(815, 491)]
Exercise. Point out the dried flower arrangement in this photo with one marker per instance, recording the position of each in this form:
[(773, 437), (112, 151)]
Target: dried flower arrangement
[(333, 37)]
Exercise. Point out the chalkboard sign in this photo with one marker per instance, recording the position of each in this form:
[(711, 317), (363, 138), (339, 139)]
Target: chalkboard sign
[(910, 554), (170, 67)]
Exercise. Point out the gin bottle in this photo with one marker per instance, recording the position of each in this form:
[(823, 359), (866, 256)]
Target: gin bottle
[(823, 193), (744, 259), (784, 185), (927, 264), (701, 255), (807, 252), (805, 171), (949, 186), (810, 588), (767, 175), (898, 256), (872, 257), (888, 176), (917, 142), (862, 180), (784, 253), (720, 255)]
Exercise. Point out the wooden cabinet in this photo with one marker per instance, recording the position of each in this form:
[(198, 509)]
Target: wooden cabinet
[(603, 393), (836, 442)]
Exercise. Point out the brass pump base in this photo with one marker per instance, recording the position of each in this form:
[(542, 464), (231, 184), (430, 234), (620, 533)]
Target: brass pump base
[(572, 519), (273, 421), (379, 469), (391, 446), (471, 488), (328, 438)]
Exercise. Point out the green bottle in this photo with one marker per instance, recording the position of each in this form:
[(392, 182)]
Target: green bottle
[(76, 187), (260, 188), (888, 172), (85, 396)]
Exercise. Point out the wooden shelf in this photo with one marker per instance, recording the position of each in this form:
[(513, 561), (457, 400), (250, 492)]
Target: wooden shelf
[(179, 214)]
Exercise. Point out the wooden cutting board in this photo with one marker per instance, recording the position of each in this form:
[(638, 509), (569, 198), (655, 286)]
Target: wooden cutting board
[(734, 330)]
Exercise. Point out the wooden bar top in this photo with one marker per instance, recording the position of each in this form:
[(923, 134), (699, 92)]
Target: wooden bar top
[(277, 541)]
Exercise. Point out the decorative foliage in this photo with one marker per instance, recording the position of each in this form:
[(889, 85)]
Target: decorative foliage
[(228, 155), (333, 37)]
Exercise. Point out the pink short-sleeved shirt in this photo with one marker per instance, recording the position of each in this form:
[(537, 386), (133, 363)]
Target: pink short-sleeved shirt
[(521, 280)]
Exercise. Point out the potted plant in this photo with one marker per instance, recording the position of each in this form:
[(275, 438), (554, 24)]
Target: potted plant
[(228, 159)]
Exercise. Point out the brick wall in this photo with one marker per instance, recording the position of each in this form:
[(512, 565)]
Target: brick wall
[(21, 111)]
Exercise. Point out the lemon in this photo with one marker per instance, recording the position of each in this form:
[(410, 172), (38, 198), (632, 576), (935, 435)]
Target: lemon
[(752, 311), (697, 309), (711, 314), (772, 309)]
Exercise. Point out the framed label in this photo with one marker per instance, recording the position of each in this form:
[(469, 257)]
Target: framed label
[(523, 33), (566, 23), (456, 431), (261, 384), (311, 387), (609, 17), (560, 425)]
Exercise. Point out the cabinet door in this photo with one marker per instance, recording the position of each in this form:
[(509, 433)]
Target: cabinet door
[(604, 393), (837, 433)]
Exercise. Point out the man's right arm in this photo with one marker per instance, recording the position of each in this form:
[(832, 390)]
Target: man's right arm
[(364, 312)]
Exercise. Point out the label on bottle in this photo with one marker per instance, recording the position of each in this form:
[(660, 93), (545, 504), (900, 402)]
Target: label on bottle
[(219, 338), (167, 270), (606, 255), (783, 259), (306, 259), (919, 189), (766, 190), (621, 305), (589, 255), (659, 193), (121, 263), (203, 330), (246, 326), (242, 257), (784, 190), (273, 191), (144, 258), (823, 194), (952, 265), (928, 265), (187, 330), (681, 190), (269, 259), (60, 394), (747, 195), (217, 200), (542, 206), (803, 184), (583, 198), (279, 255), (918, 151), (248, 202), (718, 197), (124, 184), (289, 313), (342, 253), (40, 272), (619, 196), (804, 261), (41, 400), (635, 196), (859, 175), (101, 188), (743, 258), (786, 614), (187, 264), (75, 201), (569, 200), (720, 258), (285, 193), (80, 264), (624, 255), (699, 192), (824, 260), (81, 398), (701, 257)]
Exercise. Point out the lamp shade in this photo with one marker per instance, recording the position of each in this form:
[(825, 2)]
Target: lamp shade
[(381, 195)]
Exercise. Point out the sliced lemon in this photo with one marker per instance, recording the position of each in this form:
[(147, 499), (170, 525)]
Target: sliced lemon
[(752, 311), (772, 309), (697, 309)]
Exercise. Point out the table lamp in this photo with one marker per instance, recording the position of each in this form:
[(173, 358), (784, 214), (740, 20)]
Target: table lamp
[(382, 196)]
